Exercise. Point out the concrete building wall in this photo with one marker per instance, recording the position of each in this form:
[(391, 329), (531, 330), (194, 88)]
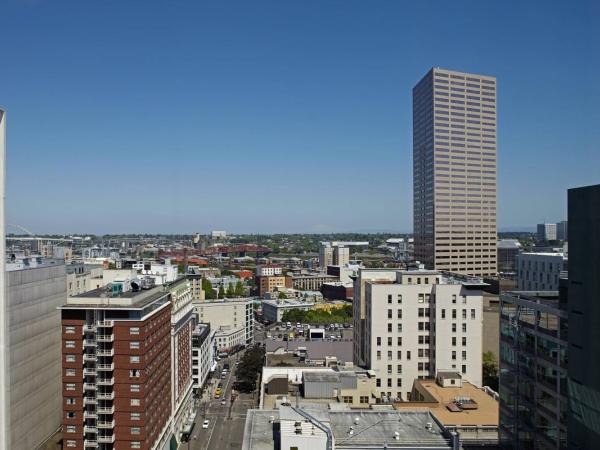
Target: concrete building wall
[(539, 271), (34, 352), (233, 313), (454, 172)]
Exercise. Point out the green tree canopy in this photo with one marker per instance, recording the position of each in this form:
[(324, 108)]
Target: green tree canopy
[(209, 292), (489, 369)]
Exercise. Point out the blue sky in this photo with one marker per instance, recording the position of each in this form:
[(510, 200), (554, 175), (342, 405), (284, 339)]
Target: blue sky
[(279, 116)]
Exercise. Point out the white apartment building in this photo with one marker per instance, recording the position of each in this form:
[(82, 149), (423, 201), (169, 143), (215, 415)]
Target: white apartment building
[(268, 270), (83, 277), (230, 314), (228, 338), (418, 324), (540, 271), (203, 354)]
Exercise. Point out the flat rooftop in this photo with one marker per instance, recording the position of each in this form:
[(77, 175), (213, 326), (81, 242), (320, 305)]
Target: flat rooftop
[(486, 413), (103, 298), (373, 428), (286, 303)]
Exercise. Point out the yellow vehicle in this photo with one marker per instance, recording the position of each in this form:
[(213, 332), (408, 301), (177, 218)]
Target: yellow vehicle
[(218, 392)]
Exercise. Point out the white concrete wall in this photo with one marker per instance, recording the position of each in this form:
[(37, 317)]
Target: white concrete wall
[(539, 271)]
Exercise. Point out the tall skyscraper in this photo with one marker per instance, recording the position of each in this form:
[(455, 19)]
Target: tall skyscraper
[(454, 172), (4, 407), (584, 316), (546, 232)]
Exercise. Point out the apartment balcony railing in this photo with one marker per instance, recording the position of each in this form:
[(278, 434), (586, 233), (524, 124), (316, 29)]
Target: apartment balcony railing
[(89, 328), (105, 367), (105, 323), (89, 386), (89, 443), (110, 439), (105, 410), (105, 381), (89, 343), (90, 415), (88, 429), (89, 400), (105, 396), (89, 371), (106, 352), (89, 357), (106, 425), (105, 337)]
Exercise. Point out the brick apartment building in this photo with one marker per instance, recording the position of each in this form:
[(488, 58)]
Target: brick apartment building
[(117, 361)]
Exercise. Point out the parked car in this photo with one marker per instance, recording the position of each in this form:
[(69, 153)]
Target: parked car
[(205, 423)]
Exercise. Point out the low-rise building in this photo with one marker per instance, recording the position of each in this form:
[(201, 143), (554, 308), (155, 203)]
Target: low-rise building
[(460, 406), (338, 290), (228, 316), (268, 270), (203, 354), (229, 339), (273, 310), (311, 281), (271, 283)]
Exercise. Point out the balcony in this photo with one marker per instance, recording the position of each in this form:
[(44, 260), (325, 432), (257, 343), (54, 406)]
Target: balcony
[(105, 381), (89, 328), (89, 443), (105, 337), (89, 386), (105, 367), (88, 429), (89, 371), (89, 343), (106, 439), (89, 400), (105, 396), (90, 415), (105, 409), (105, 323), (106, 425), (89, 357), (106, 352)]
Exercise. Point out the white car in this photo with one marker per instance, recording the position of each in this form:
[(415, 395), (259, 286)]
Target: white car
[(205, 423)]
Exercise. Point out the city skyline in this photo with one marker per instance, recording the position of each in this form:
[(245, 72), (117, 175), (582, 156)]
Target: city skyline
[(150, 112)]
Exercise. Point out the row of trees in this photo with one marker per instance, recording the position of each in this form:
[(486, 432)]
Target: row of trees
[(250, 365), (339, 315), (232, 291)]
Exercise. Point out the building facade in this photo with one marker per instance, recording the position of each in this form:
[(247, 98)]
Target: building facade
[(584, 317), (83, 277), (273, 310), (562, 230), (230, 314), (117, 370), (533, 371), (508, 249), (270, 283), (268, 270), (4, 360), (540, 271), (311, 281), (203, 354), (454, 172), (546, 232), (419, 324), (33, 384)]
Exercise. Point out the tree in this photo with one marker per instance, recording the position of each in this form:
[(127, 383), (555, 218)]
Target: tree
[(221, 292), (250, 365), (239, 289), (490, 370), (209, 292), (230, 291), (282, 295)]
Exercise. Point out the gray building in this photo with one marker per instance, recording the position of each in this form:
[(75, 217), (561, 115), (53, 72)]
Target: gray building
[(584, 317), (508, 249), (454, 172), (32, 335), (540, 271), (562, 231), (533, 371), (546, 232)]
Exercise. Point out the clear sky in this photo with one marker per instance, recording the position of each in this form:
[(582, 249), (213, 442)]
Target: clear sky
[(279, 116)]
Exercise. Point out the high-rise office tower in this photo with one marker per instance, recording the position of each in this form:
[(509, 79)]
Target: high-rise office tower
[(584, 316), (546, 232), (454, 172), (4, 406)]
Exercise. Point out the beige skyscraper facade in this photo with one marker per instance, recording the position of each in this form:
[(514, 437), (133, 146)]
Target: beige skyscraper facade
[(455, 172)]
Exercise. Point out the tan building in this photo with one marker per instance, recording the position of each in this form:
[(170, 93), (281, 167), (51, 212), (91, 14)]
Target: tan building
[(459, 406), (454, 172), (271, 283)]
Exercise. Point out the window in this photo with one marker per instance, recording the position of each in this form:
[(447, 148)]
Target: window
[(70, 401), (389, 368), (464, 313), (135, 430), (378, 355), (134, 402), (443, 313), (134, 373), (472, 314), (378, 382), (464, 298), (399, 314), (454, 328), (464, 341), (464, 327), (454, 314), (390, 298), (348, 399), (389, 355), (389, 313), (464, 355), (399, 354), (70, 372), (399, 340), (399, 299), (70, 387), (70, 358), (134, 359), (70, 415), (71, 429), (134, 388), (454, 341), (70, 329), (378, 340), (453, 355), (134, 330), (389, 327), (70, 344), (408, 354), (136, 444), (399, 328), (134, 344), (399, 382), (364, 399), (464, 368), (71, 443), (389, 340), (389, 382), (453, 299)]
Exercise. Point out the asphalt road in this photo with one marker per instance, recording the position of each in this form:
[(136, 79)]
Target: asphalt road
[(226, 427)]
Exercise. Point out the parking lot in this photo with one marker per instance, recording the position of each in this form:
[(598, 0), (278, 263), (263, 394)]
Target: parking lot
[(299, 331)]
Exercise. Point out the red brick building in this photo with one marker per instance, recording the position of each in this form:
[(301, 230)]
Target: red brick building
[(117, 358)]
